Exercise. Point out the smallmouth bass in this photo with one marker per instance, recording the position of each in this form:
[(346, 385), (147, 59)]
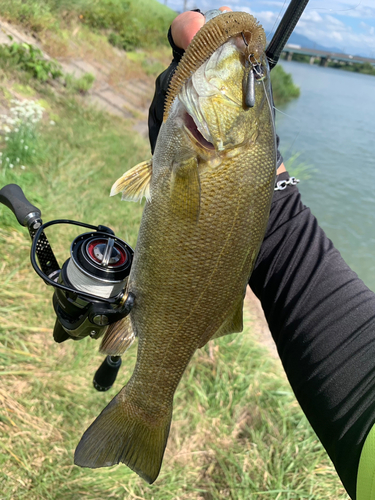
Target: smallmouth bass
[(208, 187)]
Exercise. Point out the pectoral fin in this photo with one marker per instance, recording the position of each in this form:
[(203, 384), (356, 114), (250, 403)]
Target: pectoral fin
[(186, 189), (135, 183), (118, 338), (233, 323)]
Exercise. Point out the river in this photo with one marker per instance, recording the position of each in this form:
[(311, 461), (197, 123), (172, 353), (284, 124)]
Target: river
[(332, 127)]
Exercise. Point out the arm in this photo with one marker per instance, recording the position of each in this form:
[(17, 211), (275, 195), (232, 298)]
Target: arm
[(322, 318)]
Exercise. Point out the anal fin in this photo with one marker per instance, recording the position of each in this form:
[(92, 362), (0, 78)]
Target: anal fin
[(233, 323), (135, 183), (118, 337)]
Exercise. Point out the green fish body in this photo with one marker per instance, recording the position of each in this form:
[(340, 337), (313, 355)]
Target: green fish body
[(209, 187)]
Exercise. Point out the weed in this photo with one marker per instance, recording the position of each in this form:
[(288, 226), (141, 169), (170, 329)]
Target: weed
[(26, 57), (365, 68), (21, 134), (80, 85), (299, 169), (127, 23), (152, 67), (283, 87)]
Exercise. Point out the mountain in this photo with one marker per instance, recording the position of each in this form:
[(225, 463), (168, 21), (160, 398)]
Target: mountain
[(305, 42)]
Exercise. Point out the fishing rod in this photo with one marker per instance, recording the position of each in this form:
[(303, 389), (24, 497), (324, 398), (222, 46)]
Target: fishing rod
[(89, 289), (284, 30)]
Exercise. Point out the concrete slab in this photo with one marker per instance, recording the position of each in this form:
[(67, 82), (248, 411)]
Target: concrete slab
[(86, 67), (106, 105), (130, 100), (120, 101), (18, 35), (134, 87), (71, 69)]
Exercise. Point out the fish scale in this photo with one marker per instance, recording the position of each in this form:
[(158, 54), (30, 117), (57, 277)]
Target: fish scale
[(201, 230)]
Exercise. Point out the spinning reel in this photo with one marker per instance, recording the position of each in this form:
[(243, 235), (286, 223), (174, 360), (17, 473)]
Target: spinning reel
[(89, 288)]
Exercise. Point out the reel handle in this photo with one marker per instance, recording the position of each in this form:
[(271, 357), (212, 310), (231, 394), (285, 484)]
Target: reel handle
[(13, 197)]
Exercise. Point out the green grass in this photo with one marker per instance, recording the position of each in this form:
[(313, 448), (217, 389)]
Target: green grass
[(237, 430), (126, 23), (366, 68)]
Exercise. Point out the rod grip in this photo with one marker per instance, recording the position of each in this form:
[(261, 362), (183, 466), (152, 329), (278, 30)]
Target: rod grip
[(106, 374), (13, 197)]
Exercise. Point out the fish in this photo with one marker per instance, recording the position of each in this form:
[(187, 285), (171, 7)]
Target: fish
[(208, 190)]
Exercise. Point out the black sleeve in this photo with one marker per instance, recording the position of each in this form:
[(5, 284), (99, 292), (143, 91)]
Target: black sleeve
[(322, 318), (155, 116)]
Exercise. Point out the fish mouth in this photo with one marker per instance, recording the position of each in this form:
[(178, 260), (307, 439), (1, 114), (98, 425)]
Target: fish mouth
[(194, 133)]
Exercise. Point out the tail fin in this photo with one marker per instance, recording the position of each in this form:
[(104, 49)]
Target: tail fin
[(125, 433)]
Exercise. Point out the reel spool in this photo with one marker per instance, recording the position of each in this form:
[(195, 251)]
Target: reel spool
[(99, 265)]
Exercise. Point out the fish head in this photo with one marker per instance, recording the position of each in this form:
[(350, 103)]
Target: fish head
[(224, 103)]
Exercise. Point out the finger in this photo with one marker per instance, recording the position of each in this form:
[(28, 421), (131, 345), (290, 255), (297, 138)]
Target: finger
[(281, 169), (185, 26)]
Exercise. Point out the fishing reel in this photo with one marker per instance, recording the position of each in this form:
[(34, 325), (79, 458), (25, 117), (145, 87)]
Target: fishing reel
[(89, 289)]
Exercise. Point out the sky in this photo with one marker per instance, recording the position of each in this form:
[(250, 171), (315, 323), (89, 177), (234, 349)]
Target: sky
[(346, 24)]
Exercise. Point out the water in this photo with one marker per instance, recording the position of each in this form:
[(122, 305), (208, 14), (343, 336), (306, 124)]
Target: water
[(332, 126)]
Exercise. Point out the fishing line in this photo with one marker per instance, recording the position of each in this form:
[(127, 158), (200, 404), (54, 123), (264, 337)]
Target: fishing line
[(335, 10), (285, 114), (289, 150), (276, 23), (271, 110)]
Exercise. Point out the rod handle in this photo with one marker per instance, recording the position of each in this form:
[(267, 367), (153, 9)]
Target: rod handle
[(106, 374), (13, 197)]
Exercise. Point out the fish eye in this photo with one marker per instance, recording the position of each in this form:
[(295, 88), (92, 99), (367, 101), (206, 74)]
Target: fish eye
[(258, 71)]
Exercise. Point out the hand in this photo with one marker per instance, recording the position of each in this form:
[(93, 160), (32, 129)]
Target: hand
[(183, 29), (186, 25)]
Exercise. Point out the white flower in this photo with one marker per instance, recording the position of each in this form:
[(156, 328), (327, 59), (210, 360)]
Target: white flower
[(11, 165), (26, 147), (7, 138), (52, 122), (23, 167)]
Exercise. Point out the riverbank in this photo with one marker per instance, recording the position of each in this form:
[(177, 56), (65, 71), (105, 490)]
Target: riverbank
[(365, 68)]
